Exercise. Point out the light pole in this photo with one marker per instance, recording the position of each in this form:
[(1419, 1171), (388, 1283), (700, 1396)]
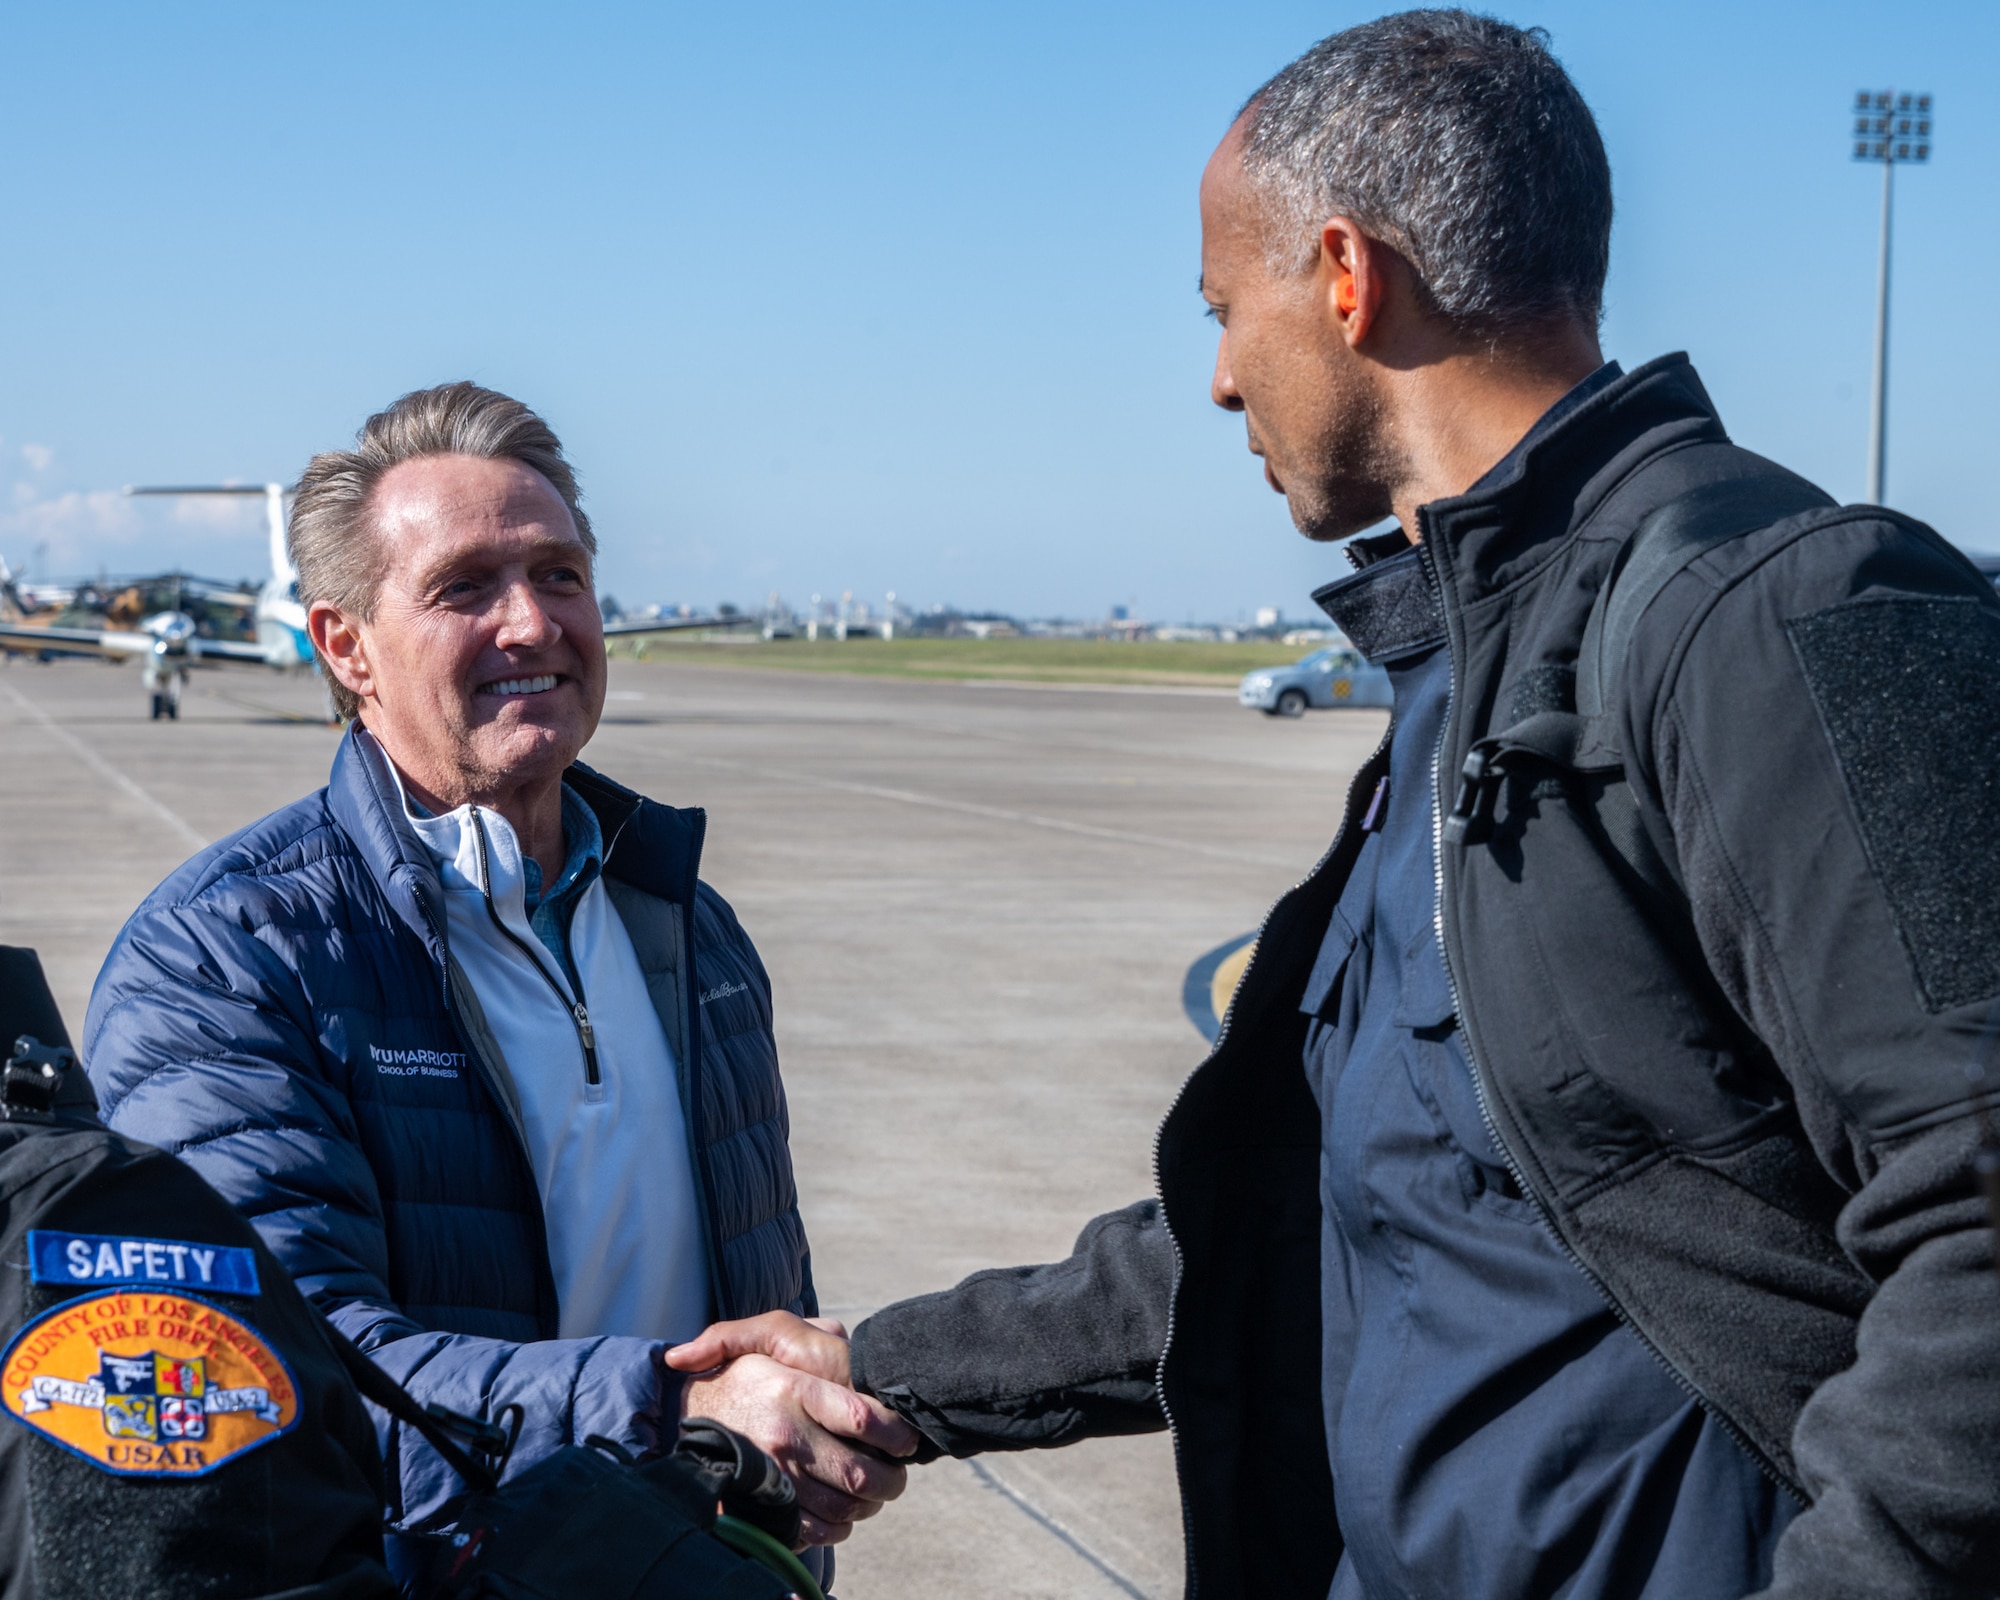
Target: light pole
[(1893, 129)]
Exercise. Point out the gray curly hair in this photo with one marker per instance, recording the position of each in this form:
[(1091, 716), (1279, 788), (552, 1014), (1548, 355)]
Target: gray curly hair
[(1458, 140)]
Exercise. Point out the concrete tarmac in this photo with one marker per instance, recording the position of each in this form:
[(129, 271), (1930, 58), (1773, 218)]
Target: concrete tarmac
[(977, 904)]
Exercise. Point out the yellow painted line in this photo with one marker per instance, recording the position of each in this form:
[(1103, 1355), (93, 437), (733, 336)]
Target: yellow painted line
[(1211, 983), (1222, 987)]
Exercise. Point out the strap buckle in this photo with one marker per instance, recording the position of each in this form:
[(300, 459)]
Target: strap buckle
[(32, 1078), (1471, 819)]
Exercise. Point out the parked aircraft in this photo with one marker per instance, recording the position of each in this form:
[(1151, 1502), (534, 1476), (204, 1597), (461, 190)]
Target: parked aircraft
[(635, 627), (167, 643)]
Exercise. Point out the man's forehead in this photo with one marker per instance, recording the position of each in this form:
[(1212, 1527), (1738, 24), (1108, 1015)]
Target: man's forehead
[(430, 545), (1229, 216), (1224, 180), (438, 503)]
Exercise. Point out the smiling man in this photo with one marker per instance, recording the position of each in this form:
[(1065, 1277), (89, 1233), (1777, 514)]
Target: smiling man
[(463, 1033)]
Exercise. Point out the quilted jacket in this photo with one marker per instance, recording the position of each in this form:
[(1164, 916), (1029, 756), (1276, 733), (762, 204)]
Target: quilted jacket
[(283, 1013)]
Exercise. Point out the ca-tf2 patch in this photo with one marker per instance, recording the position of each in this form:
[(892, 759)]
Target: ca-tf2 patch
[(148, 1385)]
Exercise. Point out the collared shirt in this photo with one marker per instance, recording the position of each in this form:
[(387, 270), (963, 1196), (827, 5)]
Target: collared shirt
[(551, 914), (607, 1138), (1494, 1430)]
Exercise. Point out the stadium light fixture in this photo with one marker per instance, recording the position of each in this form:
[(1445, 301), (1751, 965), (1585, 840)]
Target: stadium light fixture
[(1894, 130)]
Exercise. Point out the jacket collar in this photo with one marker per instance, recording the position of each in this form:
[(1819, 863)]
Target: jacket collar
[(653, 847), (1537, 497), (1533, 497), (1390, 608), (365, 799)]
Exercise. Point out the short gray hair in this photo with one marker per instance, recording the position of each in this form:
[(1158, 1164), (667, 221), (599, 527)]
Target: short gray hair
[(330, 538), (1459, 141)]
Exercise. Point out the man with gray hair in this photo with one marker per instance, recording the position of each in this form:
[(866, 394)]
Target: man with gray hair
[(1579, 1199), (464, 1034)]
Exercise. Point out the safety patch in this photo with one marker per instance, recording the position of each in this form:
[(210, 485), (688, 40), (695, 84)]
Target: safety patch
[(148, 1385), (85, 1260), (1909, 694)]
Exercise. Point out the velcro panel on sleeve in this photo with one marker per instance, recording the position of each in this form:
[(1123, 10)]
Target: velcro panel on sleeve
[(1909, 694)]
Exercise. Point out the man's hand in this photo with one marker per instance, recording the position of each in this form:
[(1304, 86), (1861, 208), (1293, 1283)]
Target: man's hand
[(782, 1383), (817, 1345)]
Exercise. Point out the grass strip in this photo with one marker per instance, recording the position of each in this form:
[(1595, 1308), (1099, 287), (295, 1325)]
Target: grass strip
[(1142, 661)]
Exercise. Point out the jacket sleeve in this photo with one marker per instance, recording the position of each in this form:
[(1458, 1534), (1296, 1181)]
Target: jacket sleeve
[(1020, 1358), (200, 1041), (1827, 745)]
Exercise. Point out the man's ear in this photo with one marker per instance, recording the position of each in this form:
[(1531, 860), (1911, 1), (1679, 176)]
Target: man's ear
[(1352, 278), (337, 637)]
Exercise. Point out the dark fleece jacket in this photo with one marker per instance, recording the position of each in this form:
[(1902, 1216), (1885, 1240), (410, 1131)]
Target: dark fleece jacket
[(1735, 1086)]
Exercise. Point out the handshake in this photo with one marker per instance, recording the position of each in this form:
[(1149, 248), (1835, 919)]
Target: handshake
[(783, 1382)]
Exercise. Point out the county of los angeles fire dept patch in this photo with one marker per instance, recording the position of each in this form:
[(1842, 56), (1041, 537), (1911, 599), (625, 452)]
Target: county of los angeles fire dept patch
[(147, 1385)]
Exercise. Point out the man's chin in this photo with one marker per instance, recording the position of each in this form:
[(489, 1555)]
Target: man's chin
[(1322, 527), (1328, 519), (529, 730)]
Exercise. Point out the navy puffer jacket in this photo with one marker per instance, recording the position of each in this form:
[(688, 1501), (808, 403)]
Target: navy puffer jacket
[(238, 1023)]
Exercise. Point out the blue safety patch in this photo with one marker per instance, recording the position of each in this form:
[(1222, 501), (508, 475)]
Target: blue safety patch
[(106, 1258)]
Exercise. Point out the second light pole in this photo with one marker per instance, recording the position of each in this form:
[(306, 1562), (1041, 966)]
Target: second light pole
[(1893, 129)]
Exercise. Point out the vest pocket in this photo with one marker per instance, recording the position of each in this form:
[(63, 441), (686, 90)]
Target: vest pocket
[(1322, 996)]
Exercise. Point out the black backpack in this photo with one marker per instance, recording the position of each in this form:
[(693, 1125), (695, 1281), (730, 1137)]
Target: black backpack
[(182, 1423), (177, 1420), (713, 1520)]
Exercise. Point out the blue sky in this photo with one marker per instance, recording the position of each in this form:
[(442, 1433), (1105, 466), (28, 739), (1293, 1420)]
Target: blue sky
[(878, 296)]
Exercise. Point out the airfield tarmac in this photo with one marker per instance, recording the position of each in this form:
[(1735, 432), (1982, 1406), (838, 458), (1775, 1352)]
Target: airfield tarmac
[(977, 902)]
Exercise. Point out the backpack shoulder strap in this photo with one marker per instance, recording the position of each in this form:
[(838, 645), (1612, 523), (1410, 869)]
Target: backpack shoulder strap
[(1588, 740), (1667, 541), (435, 1424), (1664, 544)]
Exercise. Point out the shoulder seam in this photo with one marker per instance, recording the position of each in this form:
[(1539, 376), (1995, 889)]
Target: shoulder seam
[(221, 870)]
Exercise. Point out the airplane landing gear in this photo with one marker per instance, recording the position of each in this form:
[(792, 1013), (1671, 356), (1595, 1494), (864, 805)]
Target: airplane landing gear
[(166, 686)]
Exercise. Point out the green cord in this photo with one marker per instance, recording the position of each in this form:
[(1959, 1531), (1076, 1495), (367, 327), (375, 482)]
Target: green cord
[(746, 1538)]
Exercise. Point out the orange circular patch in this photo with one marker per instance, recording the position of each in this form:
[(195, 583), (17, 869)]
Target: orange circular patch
[(147, 1385)]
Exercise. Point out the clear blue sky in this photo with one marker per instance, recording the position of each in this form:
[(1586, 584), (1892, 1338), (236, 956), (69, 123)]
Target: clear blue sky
[(879, 296)]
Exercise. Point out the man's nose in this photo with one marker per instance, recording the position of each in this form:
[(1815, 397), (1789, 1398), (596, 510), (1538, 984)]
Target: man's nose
[(525, 623), (1222, 387)]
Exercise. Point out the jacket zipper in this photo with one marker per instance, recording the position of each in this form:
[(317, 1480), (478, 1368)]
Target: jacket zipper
[(579, 1013), (1159, 1134), (438, 930), (691, 1106), (1500, 1144)]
